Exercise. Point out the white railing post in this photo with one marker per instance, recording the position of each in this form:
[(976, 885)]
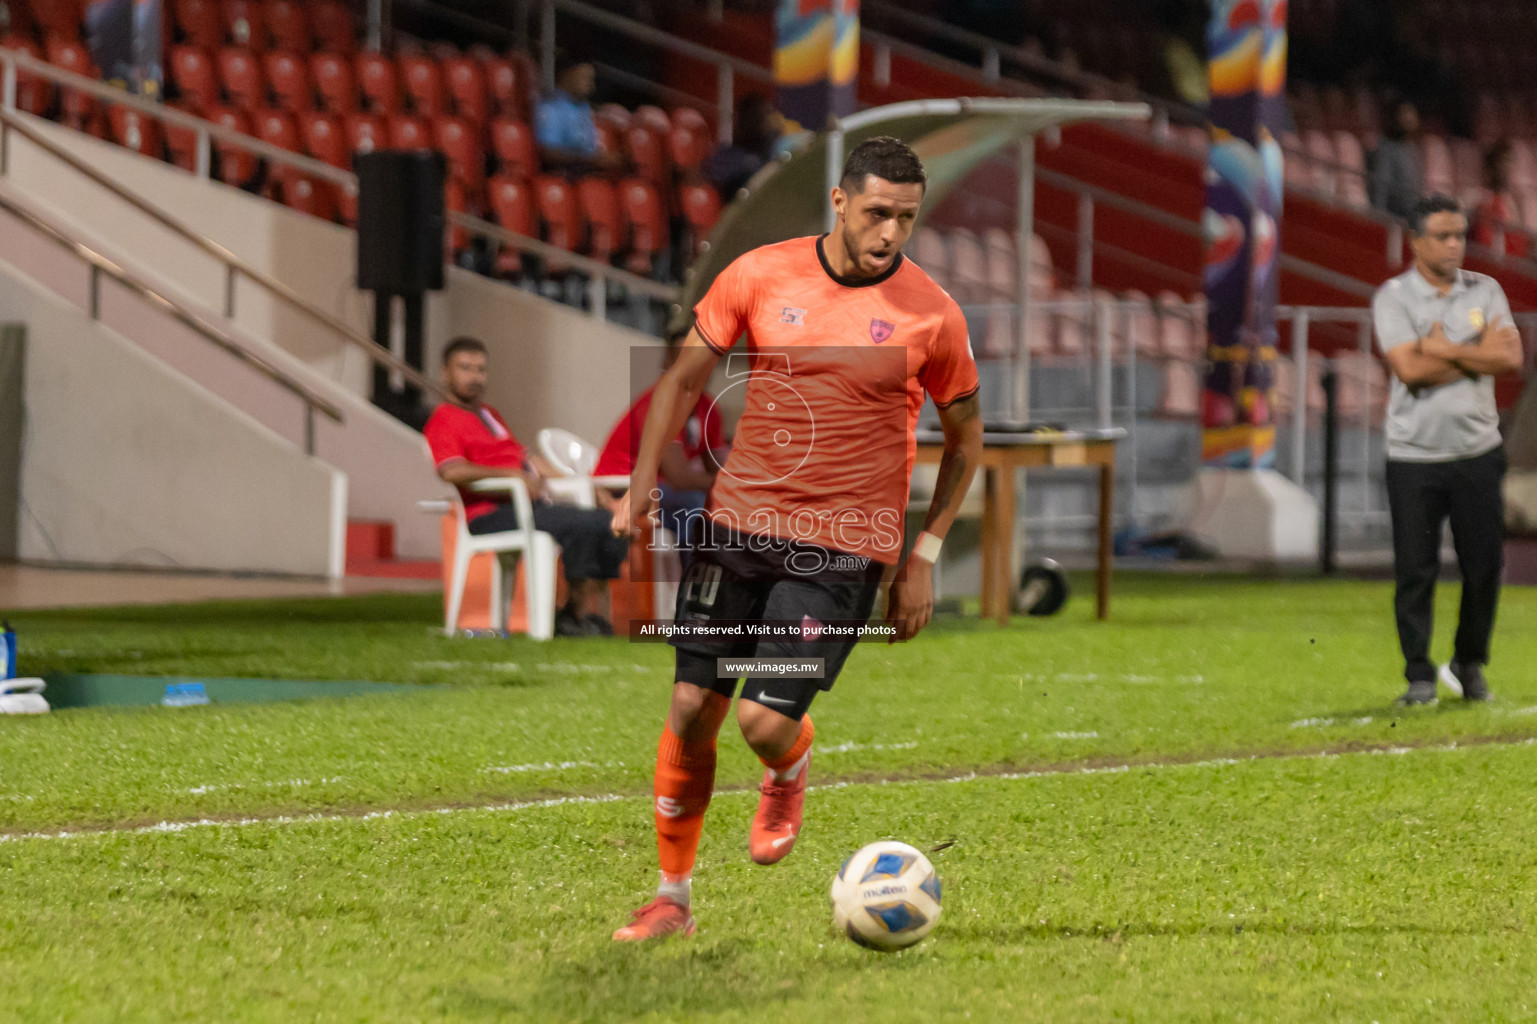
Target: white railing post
[(834, 172), (1105, 368), (1085, 240), (203, 162), (599, 297), (8, 96), (1364, 343), (880, 70), (725, 102), (1024, 230), (230, 276), (1299, 424)]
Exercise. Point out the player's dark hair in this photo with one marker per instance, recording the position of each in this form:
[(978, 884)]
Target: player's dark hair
[(885, 157), (463, 343), (1433, 204)]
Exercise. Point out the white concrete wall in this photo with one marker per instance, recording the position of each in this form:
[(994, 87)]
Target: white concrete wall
[(127, 462)]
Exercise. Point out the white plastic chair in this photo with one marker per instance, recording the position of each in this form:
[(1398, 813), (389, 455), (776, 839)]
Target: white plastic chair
[(537, 549), (575, 457)]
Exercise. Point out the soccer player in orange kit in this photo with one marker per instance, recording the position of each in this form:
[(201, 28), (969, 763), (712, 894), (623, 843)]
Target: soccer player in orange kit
[(845, 338)]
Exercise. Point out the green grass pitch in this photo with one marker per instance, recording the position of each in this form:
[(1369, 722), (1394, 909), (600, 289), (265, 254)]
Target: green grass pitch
[(1206, 809)]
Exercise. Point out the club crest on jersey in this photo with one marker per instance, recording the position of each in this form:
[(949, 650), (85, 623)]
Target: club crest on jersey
[(792, 316), (880, 330)]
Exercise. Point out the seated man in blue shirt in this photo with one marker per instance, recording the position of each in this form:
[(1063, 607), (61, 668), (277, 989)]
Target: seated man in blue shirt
[(563, 125)]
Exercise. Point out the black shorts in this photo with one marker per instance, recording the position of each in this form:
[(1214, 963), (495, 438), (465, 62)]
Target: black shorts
[(733, 577)]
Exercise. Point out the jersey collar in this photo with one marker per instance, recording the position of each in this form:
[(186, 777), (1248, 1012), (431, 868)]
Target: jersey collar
[(855, 282)]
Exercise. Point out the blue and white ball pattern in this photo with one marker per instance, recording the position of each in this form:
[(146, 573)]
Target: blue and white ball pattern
[(886, 896)]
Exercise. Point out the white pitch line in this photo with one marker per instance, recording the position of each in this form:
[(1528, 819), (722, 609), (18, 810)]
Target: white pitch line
[(280, 784), (549, 766), (173, 827), (848, 748)]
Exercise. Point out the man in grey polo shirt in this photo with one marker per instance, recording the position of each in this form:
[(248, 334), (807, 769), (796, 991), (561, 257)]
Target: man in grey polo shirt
[(1446, 333)]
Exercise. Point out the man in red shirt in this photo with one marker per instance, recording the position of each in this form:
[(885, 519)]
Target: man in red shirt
[(845, 338), (471, 442), (689, 464)]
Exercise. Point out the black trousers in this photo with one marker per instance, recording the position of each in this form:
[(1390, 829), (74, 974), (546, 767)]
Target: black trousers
[(588, 548), (1422, 496)]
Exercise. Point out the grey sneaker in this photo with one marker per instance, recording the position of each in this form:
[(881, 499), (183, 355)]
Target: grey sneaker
[(1466, 679), (1420, 691)]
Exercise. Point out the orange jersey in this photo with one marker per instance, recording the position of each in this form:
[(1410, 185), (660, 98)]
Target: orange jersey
[(834, 380)]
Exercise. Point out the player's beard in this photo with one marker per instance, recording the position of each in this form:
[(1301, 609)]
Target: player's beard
[(851, 249)]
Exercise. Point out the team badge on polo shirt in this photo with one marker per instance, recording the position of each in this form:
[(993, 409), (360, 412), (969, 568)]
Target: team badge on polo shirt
[(880, 330), (1476, 318), (792, 316)]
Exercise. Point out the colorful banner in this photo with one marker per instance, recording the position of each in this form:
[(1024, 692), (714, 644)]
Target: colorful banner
[(816, 61), (1246, 41), (126, 39)]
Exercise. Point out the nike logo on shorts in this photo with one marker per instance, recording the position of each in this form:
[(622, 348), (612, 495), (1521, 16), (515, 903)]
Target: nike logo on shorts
[(765, 698)]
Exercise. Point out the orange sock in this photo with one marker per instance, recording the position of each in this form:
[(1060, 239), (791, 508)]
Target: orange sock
[(789, 761), (685, 777)]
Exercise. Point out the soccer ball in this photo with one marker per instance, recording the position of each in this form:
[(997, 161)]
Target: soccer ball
[(886, 896)]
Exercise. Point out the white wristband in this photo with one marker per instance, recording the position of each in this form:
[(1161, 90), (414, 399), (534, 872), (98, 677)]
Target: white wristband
[(927, 546)]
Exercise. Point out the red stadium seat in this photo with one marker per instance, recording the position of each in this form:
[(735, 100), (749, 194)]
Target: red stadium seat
[(513, 143), (600, 208), (335, 30), (181, 145), (559, 210), (33, 93), (423, 84), (610, 139), (289, 79), (134, 130), (642, 206), (653, 116), (244, 24), (407, 132), (277, 128), (687, 149), (241, 75), (701, 209), (60, 17), (614, 114), (80, 111), (512, 203), (237, 165), (289, 26), (378, 84), (366, 133), (324, 139), (337, 89), (307, 195), (201, 23), (649, 155), (460, 142), (693, 120), (193, 75), (466, 82), (505, 88)]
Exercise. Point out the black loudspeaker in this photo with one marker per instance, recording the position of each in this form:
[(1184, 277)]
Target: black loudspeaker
[(401, 221)]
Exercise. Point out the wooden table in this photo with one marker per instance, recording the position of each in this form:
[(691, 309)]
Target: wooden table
[(1002, 454)]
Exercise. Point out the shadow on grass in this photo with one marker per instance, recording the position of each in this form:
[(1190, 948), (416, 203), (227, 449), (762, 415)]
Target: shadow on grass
[(694, 979)]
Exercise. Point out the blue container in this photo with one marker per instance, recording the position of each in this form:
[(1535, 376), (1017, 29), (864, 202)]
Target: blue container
[(7, 651), (184, 695)]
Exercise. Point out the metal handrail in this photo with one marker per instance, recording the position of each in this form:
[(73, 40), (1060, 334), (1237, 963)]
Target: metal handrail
[(586, 264), (235, 267), (13, 60), (100, 265)]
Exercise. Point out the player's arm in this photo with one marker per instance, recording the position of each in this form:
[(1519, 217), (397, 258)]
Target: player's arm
[(911, 602), (1497, 352), (682, 472), (672, 401)]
